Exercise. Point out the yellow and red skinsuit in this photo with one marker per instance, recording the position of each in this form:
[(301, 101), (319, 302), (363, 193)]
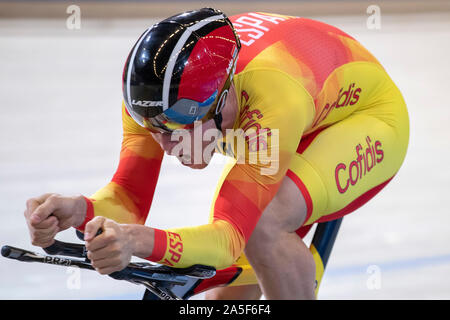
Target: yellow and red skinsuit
[(295, 78)]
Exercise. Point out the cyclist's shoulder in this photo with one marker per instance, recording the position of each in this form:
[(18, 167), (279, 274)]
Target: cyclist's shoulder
[(270, 87), (129, 125), (270, 98), (307, 50)]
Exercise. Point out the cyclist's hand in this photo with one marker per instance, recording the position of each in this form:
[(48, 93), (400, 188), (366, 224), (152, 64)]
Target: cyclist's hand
[(110, 251), (51, 213)]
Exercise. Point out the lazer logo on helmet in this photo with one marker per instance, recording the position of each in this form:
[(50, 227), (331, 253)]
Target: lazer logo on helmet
[(147, 103)]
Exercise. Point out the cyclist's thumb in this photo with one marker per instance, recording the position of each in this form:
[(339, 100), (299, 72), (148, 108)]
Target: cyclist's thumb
[(92, 227), (44, 210), (38, 216)]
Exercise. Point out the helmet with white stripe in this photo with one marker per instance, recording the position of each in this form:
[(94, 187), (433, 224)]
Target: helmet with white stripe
[(180, 70)]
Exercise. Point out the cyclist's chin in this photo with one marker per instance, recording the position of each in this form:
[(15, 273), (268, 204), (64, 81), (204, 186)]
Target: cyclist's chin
[(185, 161), (195, 166)]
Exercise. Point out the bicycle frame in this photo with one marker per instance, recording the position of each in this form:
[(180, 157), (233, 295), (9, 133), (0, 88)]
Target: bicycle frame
[(166, 283)]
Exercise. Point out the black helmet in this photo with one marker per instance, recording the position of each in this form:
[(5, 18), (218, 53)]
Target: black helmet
[(180, 69)]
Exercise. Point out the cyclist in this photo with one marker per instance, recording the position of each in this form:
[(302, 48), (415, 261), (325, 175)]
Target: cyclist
[(312, 121)]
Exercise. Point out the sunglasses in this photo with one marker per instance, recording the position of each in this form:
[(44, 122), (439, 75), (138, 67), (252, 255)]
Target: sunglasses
[(181, 115)]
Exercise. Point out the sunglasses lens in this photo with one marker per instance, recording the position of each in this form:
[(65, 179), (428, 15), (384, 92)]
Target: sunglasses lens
[(186, 111)]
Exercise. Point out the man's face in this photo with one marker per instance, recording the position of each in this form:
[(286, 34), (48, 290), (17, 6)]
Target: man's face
[(188, 145)]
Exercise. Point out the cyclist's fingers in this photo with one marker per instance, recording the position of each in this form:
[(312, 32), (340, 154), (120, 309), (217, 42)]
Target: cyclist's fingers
[(44, 243), (50, 231), (33, 203), (109, 269), (106, 239), (102, 253), (103, 241), (45, 209), (107, 262), (92, 227), (43, 238), (47, 223), (42, 233), (42, 198)]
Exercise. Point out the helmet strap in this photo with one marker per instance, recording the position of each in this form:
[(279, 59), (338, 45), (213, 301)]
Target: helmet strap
[(218, 121)]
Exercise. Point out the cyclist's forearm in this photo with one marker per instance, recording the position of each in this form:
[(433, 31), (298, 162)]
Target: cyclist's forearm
[(80, 211), (114, 202), (128, 196), (142, 239), (217, 244)]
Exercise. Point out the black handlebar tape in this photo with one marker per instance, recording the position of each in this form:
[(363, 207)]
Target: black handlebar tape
[(80, 234), (6, 251), (69, 249), (17, 253), (122, 274), (66, 249)]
